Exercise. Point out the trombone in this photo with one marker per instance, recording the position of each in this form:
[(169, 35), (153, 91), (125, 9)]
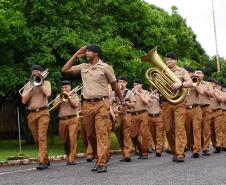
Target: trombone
[(35, 80), (64, 97)]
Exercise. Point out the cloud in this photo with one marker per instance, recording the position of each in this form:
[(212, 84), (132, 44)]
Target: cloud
[(198, 15)]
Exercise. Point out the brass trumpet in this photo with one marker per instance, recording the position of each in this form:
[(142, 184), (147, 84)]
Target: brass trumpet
[(196, 80), (118, 111), (162, 78), (35, 80), (64, 97)]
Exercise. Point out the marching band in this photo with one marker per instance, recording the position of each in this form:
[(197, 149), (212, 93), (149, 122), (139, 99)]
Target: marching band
[(191, 112)]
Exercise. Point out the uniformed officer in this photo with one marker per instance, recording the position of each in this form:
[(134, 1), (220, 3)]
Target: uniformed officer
[(36, 98), (223, 106), (155, 122), (68, 124), (96, 75), (140, 131), (204, 102), (193, 118), (216, 98), (123, 128), (174, 114)]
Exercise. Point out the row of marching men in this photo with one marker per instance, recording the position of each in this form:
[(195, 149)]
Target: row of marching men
[(134, 113), (136, 128), (192, 123), (143, 127), (205, 120)]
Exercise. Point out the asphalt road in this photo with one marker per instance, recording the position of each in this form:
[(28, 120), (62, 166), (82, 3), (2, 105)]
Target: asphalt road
[(159, 171)]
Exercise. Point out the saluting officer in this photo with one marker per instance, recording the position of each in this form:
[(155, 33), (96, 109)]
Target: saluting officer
[(96, 75)]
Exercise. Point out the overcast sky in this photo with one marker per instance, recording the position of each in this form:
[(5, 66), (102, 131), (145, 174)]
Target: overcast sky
[(198, 15)]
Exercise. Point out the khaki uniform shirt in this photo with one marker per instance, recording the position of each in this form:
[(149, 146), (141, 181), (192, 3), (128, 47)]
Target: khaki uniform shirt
[(214, 104), (38, 99), (179, 72), (65, 108), (95, 79), (154, 107), (204, 99), (140, 105), (223, 104), (192, 97), (130, 97)]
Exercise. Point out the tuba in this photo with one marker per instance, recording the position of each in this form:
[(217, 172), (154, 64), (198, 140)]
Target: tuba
[(162, 78)]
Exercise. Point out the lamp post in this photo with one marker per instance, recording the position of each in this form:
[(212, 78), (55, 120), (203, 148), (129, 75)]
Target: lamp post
[(215, 35)]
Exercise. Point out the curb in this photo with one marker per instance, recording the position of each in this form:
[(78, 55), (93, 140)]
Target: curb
[(15, 161)]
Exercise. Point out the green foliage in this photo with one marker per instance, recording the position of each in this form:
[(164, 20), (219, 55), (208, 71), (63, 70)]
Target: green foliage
[(221, 77), (10, 148), (49, 32)]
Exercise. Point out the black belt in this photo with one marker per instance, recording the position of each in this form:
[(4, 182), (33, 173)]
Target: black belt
[(206, 105), (96, 99), (138, 112), (126, 112), (215, 110), (154, 115), (192, 106), (37, 110), (67, 117)]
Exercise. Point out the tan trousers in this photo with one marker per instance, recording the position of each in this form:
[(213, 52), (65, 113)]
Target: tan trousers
[(140, 128), (68, 131), (205, 128), (165, 144), (224, 129), (109, 138), (38, 123), (156, 127), (216, 129), (151, 141), (123, 132), (174, 123), (90, 153), (193, 120), (96, 123)]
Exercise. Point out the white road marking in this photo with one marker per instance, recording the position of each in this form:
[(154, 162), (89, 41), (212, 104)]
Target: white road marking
[(30, 169)]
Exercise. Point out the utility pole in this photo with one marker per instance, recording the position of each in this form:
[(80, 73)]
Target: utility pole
[(215, 34)]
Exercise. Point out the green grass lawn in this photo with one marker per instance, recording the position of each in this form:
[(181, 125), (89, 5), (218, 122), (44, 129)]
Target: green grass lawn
[(10, 148)]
